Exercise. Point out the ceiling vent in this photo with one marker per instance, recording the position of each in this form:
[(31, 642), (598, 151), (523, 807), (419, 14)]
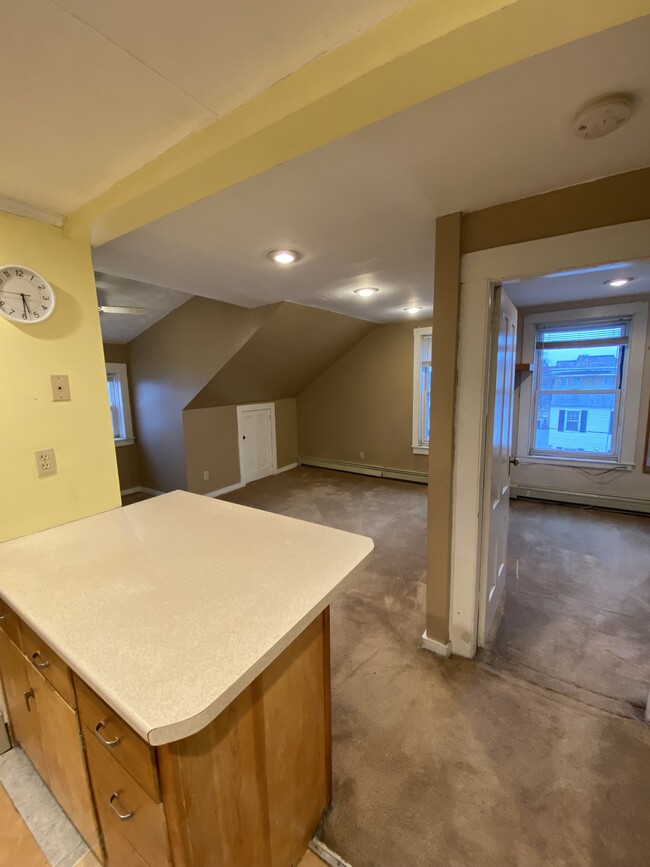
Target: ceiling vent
[(602, 116)]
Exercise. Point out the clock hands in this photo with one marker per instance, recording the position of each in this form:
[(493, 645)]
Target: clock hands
[(26, 310)]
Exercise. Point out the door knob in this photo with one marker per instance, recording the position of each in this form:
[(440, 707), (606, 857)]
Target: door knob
[(514, 462)]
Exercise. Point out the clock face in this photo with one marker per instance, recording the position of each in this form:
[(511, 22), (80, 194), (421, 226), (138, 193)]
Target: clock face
[(25, 296)]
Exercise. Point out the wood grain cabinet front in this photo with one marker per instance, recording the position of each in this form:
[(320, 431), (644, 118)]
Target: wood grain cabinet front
[(126, 812), (10, 624), (48, 663), (47, 728), (117, 738)]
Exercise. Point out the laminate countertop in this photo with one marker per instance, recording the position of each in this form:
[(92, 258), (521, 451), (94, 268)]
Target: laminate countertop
[(169, 608)]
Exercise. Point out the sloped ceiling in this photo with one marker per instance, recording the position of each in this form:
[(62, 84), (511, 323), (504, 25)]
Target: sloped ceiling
[(291, 349)]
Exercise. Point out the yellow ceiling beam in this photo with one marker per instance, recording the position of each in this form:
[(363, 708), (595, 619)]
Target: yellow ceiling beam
[(428, 48)]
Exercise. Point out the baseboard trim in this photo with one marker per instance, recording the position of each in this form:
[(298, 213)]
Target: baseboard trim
[(225, 490), (325, 853), (284, 469), (366, 470), (127, 491), (140, 489), (602, 501), (434, 646)]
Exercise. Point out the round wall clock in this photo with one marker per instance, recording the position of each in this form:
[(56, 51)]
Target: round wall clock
[(25, 296)]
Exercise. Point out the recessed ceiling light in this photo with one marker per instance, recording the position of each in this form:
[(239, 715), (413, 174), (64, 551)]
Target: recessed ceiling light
[(621, 281), (284, 257), (412, 309), (366, 291)]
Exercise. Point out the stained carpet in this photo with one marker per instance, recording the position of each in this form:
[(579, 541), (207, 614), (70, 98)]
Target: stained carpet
[(443, 762)]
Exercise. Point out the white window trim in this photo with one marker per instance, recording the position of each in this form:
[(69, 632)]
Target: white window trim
[(119, 370), (631, 397), (418, 333)]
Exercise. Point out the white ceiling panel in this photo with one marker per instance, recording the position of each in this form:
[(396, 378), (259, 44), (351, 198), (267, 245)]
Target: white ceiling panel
[(116, 292), (588, 286), (223, 53), (362, 209), (78, 112)]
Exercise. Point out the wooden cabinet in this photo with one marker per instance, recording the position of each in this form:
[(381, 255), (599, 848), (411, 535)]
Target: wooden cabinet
[(48, 730), (24, 721), (248, 789)]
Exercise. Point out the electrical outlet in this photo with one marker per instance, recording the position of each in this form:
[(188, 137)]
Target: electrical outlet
[(206, 475), (362, 455), (45, 462)]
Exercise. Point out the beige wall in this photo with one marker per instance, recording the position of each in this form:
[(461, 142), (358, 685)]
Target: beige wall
[(207, 354), (364, 403), (629, 484), (286, 431), (79, 430), (170, 363), (211, 444), (128, 467), (295, 346)]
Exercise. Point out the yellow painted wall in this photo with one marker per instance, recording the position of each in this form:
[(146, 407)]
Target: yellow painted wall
[(79, 431)]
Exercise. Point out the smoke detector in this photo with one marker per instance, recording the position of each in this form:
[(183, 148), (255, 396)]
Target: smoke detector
[(602, 116)]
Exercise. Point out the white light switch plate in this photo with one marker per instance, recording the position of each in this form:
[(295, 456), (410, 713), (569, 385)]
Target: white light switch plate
[(60, 387)]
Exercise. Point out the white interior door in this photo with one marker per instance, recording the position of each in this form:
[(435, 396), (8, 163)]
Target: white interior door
[(497, 460), (257, 456)]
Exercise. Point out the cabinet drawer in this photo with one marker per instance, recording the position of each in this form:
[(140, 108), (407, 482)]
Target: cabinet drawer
[(120, 852), (50, 665), (117, 738), (10, 623), (142, 823)]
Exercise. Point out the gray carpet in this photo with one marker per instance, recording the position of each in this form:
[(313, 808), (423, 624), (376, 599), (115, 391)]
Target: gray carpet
[(443, 762)]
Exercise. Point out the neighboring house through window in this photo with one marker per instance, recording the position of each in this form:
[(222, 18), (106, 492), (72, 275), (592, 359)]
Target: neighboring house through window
[(421, 389), (582, 400), (118, 398)]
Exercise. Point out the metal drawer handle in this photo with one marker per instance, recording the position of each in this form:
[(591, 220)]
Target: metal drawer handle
[(111, 742), (122, 816), (28, 695), (3, 617), (39, 665)]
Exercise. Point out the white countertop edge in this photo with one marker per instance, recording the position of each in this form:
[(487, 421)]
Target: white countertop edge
[(184, 728)]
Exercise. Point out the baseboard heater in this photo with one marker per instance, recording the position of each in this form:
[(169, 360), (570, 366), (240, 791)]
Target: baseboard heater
[(366, 470), (601, 501)]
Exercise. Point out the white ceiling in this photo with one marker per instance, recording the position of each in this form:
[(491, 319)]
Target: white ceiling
[(590, 286), (92, 90), (362, 209), (119, 292)]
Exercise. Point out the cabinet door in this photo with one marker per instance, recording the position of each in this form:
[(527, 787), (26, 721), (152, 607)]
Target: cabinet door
[(21, 704), (65, 759)]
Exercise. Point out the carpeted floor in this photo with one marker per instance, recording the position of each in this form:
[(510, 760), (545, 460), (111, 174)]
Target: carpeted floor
[(444, 762)]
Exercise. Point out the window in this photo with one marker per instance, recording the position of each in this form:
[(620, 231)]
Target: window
[(118, 399), (582, 399), (421, 390)]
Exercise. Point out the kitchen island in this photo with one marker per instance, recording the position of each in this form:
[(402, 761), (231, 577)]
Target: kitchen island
[(166, 668)]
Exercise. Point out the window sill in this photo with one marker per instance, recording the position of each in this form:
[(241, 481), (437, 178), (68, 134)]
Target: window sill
[(420, 450), (578, 463), (125, 441)]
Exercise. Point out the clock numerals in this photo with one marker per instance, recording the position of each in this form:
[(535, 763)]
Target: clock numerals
[(32, 295)]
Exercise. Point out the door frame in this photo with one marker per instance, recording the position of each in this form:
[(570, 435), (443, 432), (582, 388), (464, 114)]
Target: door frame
[(247, 407), (479, 272)]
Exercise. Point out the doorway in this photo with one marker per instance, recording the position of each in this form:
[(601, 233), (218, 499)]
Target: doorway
[(480, 271), (564, 595), (257, 446)]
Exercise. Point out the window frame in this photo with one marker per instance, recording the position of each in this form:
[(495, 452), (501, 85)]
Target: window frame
[(119, 371), (418, 443), (628, 406)]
